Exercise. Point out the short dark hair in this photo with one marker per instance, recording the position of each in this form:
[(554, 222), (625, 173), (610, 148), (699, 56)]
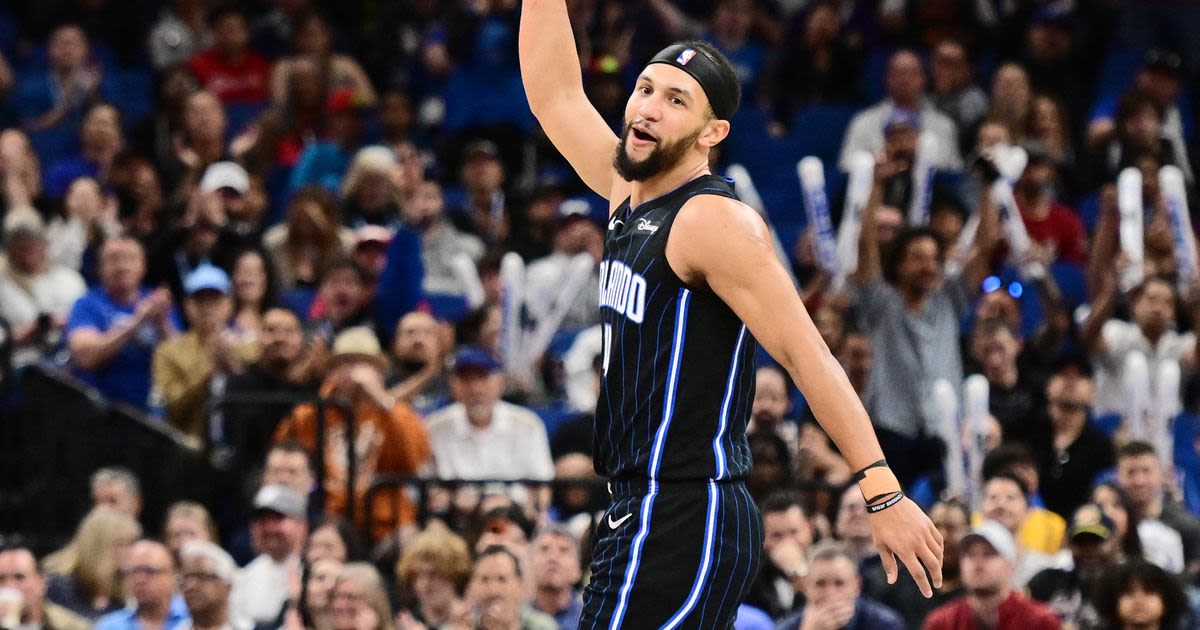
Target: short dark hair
[(345, 264), (993, 325), (500, 550), (1135, 101), (293, 446), (221, 11), (1136, 448), (20, 548), (1006, 458), (1119, 579), (781, 501), (355, 551), (899, 249), (1007, 476)]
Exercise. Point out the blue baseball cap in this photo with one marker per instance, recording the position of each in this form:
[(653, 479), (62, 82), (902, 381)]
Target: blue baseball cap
[(475, 357), (902, 116), (207, 278)]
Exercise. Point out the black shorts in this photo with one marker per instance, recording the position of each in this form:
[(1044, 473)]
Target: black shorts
[(676, 555)]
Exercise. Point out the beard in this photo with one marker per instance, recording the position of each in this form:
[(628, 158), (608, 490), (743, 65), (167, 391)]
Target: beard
[(662, 158)]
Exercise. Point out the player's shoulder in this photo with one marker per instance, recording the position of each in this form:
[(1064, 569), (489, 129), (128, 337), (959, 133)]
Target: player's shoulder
[(717, 216)]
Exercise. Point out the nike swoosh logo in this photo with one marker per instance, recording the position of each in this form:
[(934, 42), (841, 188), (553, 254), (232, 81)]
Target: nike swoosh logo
[(617, 523), (612, 225)]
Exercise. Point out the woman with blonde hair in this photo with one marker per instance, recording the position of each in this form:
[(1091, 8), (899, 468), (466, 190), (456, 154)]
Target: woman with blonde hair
[(187, 521), (359, 600), (369, 191), (433, 573), (310, 238), (85, 575)]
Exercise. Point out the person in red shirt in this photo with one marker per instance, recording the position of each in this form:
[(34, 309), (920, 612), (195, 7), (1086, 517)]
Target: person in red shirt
[(1051, 225), (987, 559), (230, 69)]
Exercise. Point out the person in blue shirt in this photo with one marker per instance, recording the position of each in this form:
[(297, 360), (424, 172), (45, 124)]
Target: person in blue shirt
[(833, 593), (113, 329), (556, 571), (151, 583), (50, 104)]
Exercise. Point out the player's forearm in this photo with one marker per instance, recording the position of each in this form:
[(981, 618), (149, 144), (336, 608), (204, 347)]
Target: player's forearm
[(549, 65)]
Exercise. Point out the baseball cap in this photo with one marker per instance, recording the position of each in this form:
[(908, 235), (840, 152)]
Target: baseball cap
[(475, 357), (281, 499), (221, 175), (356, 342), (481, 148), (207, 278), (574, 209), (1089, 519), (902, 116), (372, 234), (994, 534)]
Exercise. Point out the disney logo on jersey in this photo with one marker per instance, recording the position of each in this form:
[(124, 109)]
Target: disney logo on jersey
[(644, 225), (622, 290)]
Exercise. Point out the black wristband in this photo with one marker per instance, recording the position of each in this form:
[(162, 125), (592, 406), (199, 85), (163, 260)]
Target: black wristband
[(862, 474), (879, 507)]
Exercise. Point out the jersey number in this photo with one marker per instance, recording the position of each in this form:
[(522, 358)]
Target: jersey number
[(607, 348)]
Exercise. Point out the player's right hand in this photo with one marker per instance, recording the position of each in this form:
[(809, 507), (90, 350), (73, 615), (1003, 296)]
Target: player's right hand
[(904, 532)]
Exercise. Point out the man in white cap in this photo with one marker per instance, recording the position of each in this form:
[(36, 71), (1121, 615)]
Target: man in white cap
[(243, 211), (278, 528), (206, 575), (988, 558)]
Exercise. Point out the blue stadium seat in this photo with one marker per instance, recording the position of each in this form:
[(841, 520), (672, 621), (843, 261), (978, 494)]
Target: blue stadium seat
[(820, 130)]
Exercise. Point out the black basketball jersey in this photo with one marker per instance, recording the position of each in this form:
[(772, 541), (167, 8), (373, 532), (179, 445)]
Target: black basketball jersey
[(677, 378)]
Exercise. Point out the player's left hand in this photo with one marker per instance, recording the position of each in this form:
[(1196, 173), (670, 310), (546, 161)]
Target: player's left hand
[(903, 531)]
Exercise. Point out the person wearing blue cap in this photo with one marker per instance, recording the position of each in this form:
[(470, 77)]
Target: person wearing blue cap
[(689, 285), (186, 368)]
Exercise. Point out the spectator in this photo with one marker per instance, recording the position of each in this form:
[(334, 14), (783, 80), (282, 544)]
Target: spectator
[(324, 162), (811, 67), (312, 40), (730, 32), (253, 294), (496, 594), (150, 581), (476, 436), (1069, 592), (206, 576), (911, 284), (233, 72), (555, 570), (905, 90), (771, 465), (191, 366), (315, 606), (277, 528), (359, 600), (1139, 594), (1012, 99), (35, 294), (546, 277), (1070, 450), (1050, 127), (771, 406), (200, 239), (289, 464), (441, 241), (343, 299), (787, 536), (179, 33), (1006, 501), (833, 596), (1056, 230), (186, 522), (50, 105), (19, 570), (482, 208), (199, 143), (100, 140), (370, 254), (954, 90), (432, 574), (1041, 530), (1014, 394), (1138, 131), (268, 389), (396, 442), (21, 181), (310, 238), (952, 518), (1161, 79), (333, 538), (117, 488), (1148, 539), (988, 558), (1139, 472), (852, 529), (139, 191), (85, 576), (369, 193), (419, 348), (113, 329)]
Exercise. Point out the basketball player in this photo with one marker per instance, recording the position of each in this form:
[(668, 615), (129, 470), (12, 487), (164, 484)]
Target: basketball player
[(688, 282)]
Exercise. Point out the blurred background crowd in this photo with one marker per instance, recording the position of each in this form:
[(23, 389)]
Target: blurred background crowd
[(298, 310)]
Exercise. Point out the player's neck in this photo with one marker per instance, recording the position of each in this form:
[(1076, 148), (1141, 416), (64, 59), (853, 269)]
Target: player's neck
[(665, 182)]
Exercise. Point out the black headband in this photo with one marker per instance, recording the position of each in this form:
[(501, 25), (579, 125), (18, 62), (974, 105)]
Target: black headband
[(722, 91)]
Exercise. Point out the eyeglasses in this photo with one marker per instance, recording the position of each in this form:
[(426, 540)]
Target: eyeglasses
[(199, 577), (146, 571), (991, 284)]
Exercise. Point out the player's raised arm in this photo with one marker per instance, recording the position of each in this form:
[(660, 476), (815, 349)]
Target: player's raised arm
[(724, 245), (554, 86)]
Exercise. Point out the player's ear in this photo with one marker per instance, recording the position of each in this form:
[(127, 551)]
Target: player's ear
[(715, 130)]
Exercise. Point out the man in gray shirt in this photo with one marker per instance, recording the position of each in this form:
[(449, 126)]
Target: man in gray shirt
[(911, 311)]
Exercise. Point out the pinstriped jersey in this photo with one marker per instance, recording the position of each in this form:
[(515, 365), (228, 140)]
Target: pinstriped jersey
[(677, 375)]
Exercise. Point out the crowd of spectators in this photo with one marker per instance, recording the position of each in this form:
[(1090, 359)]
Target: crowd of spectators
[(285, 230)]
